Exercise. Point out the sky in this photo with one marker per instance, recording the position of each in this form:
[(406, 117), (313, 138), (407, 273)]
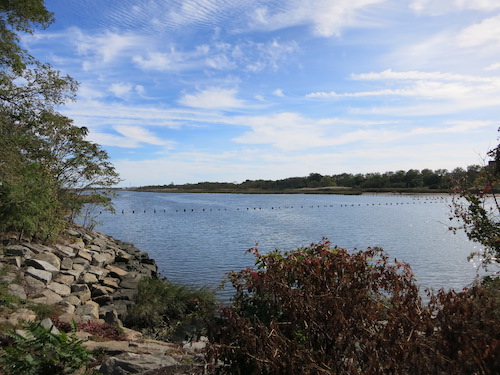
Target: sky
[(184, 91)]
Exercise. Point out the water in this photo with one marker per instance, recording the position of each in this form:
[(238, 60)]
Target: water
[(197, 238)]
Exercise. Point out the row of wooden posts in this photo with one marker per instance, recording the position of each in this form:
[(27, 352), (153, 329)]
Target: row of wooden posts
[(414, 201)]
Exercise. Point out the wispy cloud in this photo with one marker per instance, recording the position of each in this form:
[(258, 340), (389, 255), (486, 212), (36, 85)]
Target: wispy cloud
[(444, 6), (326, 18), (423, 91), (212, 98)]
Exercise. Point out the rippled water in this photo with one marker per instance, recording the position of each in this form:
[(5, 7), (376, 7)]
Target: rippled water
[(198, 238)]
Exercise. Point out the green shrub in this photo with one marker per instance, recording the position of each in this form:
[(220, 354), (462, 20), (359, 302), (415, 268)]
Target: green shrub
[(325, 310), (39, 352), (168, 310)]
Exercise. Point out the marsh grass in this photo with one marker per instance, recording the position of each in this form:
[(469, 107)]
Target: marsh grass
[(166, 310)]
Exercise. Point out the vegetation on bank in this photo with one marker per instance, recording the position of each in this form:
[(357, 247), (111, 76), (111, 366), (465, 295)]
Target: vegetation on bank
[(46, 160), (411, 181), (326, 310), (170, 311)]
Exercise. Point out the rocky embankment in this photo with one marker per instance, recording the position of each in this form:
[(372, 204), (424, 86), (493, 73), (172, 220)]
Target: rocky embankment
[(90, 277)]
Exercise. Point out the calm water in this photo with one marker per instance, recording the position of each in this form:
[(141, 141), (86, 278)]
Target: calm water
[(198, 238)]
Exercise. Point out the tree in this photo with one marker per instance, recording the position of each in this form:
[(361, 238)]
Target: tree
[(478, 209), (45, 160)]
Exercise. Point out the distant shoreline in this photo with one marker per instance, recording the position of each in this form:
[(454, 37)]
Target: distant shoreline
[(335, 190)]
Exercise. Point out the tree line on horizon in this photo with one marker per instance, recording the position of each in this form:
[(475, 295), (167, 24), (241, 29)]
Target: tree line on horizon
[(426, 179)]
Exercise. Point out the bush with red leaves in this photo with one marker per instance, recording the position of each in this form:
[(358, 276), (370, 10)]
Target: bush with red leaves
[(326, 310)]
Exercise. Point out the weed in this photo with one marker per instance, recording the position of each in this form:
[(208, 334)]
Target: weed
[(39, 352), (165, 309)]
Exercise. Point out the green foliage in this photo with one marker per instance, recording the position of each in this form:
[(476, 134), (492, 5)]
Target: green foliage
[(46, 160), (478, 210), (39, 352), (325, 310), (168, 310), (29, 204)]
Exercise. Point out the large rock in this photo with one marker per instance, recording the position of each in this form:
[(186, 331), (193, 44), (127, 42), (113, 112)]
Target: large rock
[(90, 309), (61, 289), (131, 363), (116, 272), (18, 250), (49, 258), (82, 291), (41, 265), (42, 275), (65, 250)]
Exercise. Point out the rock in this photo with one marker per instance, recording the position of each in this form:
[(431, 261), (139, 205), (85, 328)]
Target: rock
[(89, 309), (73, 233), (83, 263), (111, 317), (99, 260), (49, 258), (65, 251), (41, 265), (17, 290), (110, 282), (196, 346), (75, 273), (18, 251), (67, 307), (37, 248), (98, 271), (69, 318), (38, 274), (21, 315), (64, 279), (88, 278), (15, 261), (82, 291), (74, 300), (48, 297), (67, 263), (33, 286), (49, 325), (131, 363), (116, 272), (85, 255), (101, 290), (78, 245), (61, 289)]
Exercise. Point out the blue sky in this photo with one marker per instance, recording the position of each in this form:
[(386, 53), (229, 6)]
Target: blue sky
[(227, 90)]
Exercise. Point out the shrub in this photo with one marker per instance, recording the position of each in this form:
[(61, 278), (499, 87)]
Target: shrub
[(99, 331), (168, 310), (39, 352), (325, 310)]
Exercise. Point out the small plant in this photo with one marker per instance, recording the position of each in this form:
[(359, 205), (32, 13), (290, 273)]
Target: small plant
[(165, 309), (39, 352), (102, 331)]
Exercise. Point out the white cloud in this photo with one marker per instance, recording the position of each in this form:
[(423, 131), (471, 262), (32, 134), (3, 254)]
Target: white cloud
[(423, 93), (105, 47), (140, 135), (438, 7), (121, 90), (487, 32), (389, 74), (327, 17), (495, 66), (162, 62), (212, 98), (292, 131), (279, 93)]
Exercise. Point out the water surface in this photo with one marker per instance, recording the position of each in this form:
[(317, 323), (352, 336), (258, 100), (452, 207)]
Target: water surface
[(198, 238)]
